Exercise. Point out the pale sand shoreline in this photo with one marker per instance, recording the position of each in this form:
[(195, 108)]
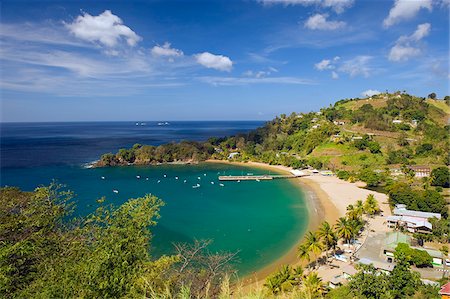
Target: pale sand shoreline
[(327, 198)]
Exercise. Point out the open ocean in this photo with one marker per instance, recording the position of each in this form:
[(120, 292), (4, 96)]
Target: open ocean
[(262, 220)]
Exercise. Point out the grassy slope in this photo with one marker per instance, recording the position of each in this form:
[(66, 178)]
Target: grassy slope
[(344, 156)]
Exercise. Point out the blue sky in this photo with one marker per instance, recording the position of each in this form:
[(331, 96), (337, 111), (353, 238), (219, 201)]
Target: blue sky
[(214, 60)]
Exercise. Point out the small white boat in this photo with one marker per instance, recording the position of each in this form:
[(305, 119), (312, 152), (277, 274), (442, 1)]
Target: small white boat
[(204, 174), (116, 191), (137, 124), (258, 180), (159, 181), (176, 178), (199, 178), (185, 181), (103, 178), (165, 175), (138, 177), (221, 185), (212, 183), (239, 181), (249, 173), (196, 186), (146, 179)]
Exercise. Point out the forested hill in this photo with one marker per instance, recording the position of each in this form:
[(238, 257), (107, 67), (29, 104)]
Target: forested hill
[(353, 134)]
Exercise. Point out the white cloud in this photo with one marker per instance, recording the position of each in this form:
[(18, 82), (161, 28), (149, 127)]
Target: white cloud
[(260, 74), (166, 51), (406, 46), (370, 93), (403, 53), (337, 5), (334, 75), (358, 66), (320, 22), (324, 65), (106, 29), (218, 62), (232, 81), (404, 10), (421, 31)]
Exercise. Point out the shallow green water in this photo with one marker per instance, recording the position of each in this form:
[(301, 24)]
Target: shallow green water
[(260, 219)]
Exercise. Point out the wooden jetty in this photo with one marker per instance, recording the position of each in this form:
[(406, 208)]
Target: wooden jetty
[(255, 177)]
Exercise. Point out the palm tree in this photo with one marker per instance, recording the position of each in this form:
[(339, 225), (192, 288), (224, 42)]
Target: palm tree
[(344, 229), (371, 205), (303, 252), (328, 236), (314, 244), (284, 279), (359, 207), (312, 285), (352, 212)]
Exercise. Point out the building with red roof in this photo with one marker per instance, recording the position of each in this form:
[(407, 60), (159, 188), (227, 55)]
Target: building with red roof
[(445, 291)]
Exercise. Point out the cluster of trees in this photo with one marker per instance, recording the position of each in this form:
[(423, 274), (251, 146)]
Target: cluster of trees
[(44, 253), (295, 281), (366, 142), (370, 283), (416, 199), (346, 228), (417, 257), (185, 151)]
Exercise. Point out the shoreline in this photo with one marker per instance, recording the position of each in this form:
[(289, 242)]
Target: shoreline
[(320, 208), (327, 198)]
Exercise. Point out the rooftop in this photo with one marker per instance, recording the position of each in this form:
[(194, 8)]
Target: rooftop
[(402, 211), (445, 289), (413, 221)]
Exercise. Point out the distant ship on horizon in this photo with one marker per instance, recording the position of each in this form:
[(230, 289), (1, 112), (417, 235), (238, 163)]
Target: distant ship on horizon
[(163, 123)]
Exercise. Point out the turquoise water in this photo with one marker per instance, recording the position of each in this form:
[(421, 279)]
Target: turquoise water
[(260, 219)]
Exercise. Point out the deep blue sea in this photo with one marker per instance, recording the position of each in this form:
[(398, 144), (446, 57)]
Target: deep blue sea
[(262, 220), (27, 145)]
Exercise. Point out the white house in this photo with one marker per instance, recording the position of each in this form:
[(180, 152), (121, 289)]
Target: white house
[(232, 155)]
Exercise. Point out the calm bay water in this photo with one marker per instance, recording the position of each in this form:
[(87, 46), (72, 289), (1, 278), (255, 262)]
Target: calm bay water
[(260, 219)]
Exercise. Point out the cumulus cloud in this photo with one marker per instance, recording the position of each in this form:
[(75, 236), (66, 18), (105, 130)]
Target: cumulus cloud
[(212, 61), (370, 93), (334, 75), (404, 10), (407, 47), (320, 22), (358, 66), (106, 29), (403, 53), (324, 65), (337, 5), (165, 51)]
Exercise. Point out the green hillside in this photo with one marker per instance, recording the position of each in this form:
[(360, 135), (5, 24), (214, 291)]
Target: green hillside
[(353, 134)]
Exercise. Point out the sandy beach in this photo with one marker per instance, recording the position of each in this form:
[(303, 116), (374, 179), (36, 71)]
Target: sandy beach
[(327, 198)]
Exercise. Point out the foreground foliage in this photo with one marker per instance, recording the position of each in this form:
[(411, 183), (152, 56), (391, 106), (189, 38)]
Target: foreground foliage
[(46, 254)]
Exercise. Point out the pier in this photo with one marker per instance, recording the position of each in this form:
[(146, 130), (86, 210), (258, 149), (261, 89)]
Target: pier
[(254, 177)]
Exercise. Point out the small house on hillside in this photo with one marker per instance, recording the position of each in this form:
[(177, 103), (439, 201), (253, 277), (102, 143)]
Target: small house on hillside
[(397, 121), (339, 123), (420, 171), (232, 155)]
